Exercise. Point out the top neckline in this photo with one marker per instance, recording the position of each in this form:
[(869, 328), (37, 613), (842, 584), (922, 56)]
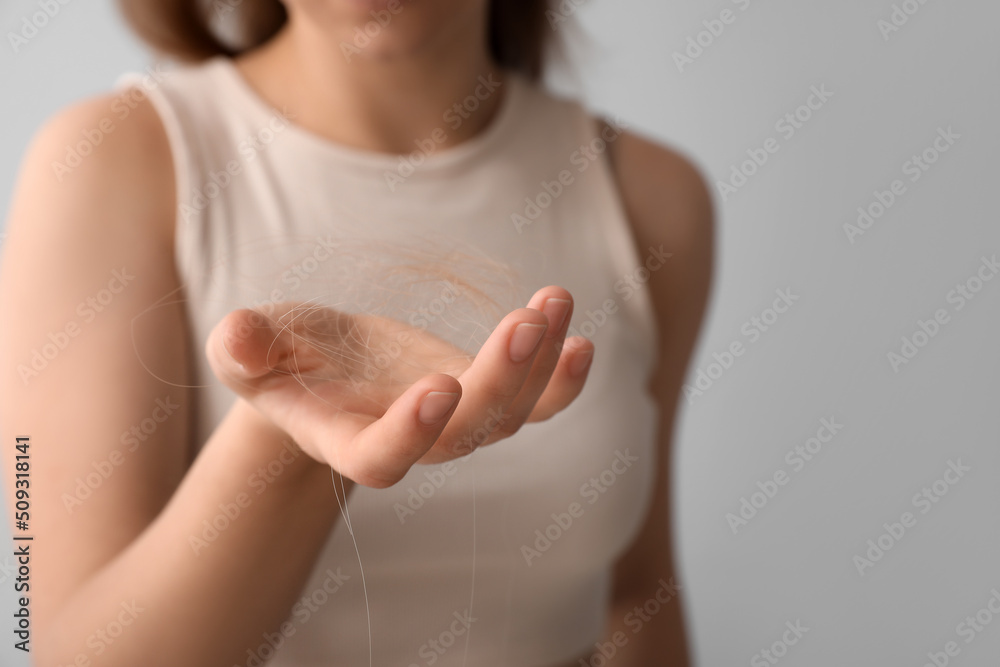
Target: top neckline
[(491, 135)]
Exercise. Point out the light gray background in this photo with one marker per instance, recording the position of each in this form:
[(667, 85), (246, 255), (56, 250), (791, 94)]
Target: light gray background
[(826, 357)]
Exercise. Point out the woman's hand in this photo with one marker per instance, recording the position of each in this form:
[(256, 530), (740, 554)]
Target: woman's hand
[(371, 396)]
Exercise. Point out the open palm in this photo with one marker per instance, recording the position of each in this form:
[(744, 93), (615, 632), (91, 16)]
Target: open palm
[(371, 396)]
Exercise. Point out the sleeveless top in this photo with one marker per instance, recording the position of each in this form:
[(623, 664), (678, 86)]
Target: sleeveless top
[(502, 557)]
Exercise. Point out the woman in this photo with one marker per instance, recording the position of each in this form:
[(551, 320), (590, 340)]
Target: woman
[(191, 274)]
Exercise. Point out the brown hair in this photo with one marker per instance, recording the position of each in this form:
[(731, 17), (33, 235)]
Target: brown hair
[(183, 29)]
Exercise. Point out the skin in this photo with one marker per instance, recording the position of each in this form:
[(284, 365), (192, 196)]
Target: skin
[(129, 541)]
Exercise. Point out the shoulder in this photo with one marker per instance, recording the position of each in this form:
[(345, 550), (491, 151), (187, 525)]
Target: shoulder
[(664, 193), (108, 154), (669, 207)]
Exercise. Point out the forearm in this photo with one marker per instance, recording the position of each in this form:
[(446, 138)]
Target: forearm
[(208, 581), (646, 622), (646, 627)]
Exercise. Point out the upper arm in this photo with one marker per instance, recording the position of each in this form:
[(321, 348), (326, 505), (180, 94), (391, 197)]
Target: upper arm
[(668, 203), (89, 316)]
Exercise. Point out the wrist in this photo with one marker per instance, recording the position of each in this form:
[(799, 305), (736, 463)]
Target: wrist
[(279, 459)]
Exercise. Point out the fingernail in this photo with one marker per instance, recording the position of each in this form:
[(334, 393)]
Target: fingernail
[(435, 406), (229, 351), (524, 341), (556, 310), (580, 363)]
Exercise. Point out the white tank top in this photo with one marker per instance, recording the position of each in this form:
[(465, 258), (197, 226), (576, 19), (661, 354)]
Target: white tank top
[(501, 558)]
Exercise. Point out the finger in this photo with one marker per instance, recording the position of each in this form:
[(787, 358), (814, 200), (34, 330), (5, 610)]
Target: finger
[(567, 380), (557, 305), (241, 349), (492, 382), (247, 346), (381, 454)]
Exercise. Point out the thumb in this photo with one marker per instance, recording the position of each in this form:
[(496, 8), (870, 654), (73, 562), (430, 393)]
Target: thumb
[(244, 348)]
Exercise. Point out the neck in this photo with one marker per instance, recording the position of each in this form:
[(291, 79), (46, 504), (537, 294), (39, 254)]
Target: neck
[(382, 104)]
